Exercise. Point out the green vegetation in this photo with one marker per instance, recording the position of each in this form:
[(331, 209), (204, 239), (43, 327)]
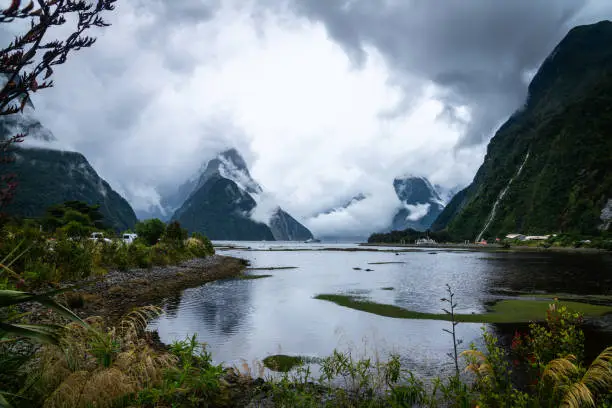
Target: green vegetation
[(503, 311), (47, 177), (150, 231), (273, 268), (408, 236), (253, 277), (57, 247), (282, 362), (385, 263), (566, 181)]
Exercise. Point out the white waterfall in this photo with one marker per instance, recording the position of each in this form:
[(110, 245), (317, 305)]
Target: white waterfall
[(499, 198)]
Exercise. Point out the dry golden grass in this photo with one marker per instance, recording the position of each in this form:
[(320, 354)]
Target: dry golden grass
[(84, 389), (73, 375)]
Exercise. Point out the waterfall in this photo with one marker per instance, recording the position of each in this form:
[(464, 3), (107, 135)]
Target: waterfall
[(499, 198)]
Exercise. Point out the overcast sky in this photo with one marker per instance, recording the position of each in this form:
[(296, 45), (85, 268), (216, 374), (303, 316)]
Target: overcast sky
[(324, 98)]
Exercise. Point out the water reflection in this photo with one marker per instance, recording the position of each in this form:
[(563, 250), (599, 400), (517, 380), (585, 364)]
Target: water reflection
[(251, 319), (216, 312)]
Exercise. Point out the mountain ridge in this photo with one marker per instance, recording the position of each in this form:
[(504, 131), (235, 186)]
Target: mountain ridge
[(48, 176), (565, 183), (236, 203)]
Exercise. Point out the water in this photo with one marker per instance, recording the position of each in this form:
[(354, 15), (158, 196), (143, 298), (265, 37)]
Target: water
[(499, 198), (247, 320)]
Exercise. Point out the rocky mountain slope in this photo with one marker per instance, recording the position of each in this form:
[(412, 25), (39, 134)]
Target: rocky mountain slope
[(421, 203), (225, 203), (47, 176), (547, 169)]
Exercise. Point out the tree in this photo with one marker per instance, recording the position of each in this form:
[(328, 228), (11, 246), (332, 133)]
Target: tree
[(150, 231), (74, 212), (175, 233), (27, 62)]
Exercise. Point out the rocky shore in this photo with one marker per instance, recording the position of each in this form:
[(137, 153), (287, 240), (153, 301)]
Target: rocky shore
[(116, 293)]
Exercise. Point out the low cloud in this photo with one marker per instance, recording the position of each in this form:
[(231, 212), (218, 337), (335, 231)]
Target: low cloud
[(417, 211), (325, 99)]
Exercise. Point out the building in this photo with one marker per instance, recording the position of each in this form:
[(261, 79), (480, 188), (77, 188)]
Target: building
[(425, 241), (518, 237), (537, 237)]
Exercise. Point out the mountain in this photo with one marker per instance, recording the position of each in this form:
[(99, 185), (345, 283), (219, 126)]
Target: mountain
[(47, 176), (421, 203), (355, 199), (286, 228), (547, 169), (225, 203)]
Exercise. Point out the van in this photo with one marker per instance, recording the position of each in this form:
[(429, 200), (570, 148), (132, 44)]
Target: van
[(129, 238)]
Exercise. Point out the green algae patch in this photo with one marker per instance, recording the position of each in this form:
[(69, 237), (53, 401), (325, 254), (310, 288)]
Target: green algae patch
[(253, 277), (282, 363), (503, 311), (385, 263), (563, 297)]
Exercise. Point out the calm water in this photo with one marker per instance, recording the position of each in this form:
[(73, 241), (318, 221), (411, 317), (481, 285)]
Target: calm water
[(251, 319)]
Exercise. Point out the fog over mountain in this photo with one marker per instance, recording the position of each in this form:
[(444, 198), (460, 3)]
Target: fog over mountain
[(326, 99)]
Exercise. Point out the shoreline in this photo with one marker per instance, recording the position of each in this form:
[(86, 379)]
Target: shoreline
[(492, 248), (117, 293)]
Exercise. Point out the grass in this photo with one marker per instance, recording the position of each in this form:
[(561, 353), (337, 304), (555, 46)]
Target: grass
[(253, 277), (282, 362), (384, 263), (503, 311)]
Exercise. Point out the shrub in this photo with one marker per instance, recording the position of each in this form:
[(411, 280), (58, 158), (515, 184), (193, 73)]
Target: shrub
[(140, 255), (159, 255), (121, 258), (150, 231), (175, 235), (73, 259)]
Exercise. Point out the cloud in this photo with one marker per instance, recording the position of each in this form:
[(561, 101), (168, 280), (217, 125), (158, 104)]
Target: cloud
[(477, 51), (325, 99), (416, 212)]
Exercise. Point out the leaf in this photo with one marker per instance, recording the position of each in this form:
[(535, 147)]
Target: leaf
[(3, 402), (41, 333), (14, 297)]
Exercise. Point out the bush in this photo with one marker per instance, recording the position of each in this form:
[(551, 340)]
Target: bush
[(159, 255), (150, 231), (140, 255), (175, 235), (210, 249), (73, 259), (121, 258), (199, 248)]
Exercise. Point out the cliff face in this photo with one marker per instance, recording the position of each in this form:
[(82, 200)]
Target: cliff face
[(547, 169)]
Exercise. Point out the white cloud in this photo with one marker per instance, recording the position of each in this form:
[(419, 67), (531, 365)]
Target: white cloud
[(417, 211), (152, 101)]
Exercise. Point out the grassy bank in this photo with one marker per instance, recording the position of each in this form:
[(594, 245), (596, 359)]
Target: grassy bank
[(503, 311)]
